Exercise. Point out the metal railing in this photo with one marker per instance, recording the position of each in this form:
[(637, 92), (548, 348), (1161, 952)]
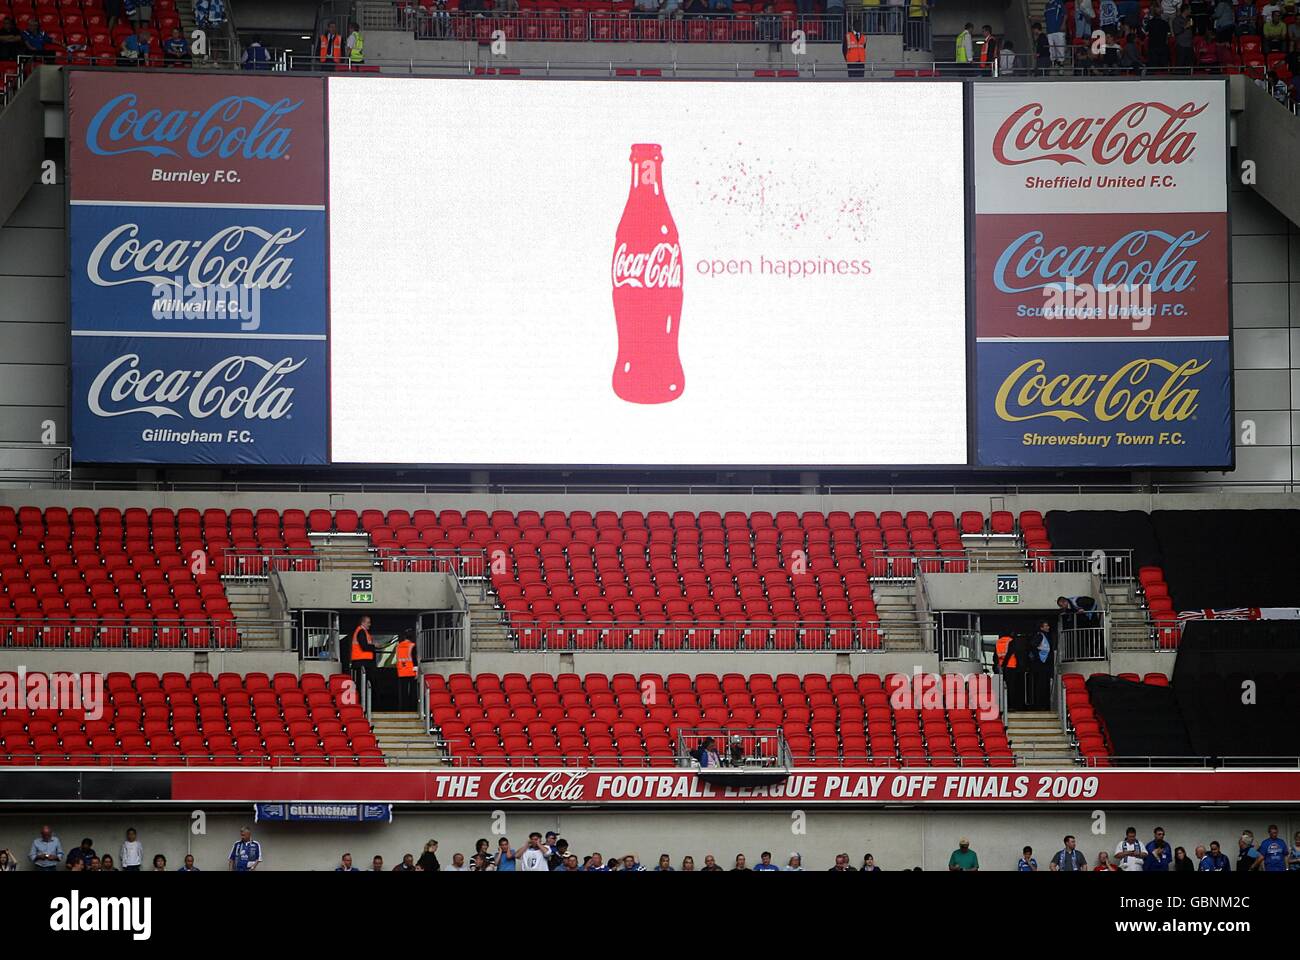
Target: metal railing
[(36, 462), (608, 26), (443, 643), (256, 565), (747, 749), (19, 760), (1084, 642), (698, 636), (470, 565), (128, 632)]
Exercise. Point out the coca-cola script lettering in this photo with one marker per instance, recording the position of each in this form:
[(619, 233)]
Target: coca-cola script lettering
[(1153, 258), (237, 386), (233, 256), (556, 786), (245, 127), (661, 267), (1140, 132)]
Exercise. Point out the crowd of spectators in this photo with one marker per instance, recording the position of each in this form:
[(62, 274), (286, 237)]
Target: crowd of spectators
[(47, 855), (1159, 855)]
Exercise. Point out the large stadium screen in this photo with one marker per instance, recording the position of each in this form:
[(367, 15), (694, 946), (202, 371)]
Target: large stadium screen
[(571, 272)]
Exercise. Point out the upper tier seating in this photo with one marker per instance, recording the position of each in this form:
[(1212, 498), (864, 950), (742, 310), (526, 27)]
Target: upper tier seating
[(626, 720), (196, 720)]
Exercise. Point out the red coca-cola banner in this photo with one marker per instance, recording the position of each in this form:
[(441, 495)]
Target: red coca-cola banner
[(620, 787), (196, 138), (1154, 275)]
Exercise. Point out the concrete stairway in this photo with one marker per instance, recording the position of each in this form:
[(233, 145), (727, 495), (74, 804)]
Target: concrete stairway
[(248, 601), (896, 606), (1130, 623), (486, 631), (343, 552), (997, 554), (1037, 740), (404, 740)]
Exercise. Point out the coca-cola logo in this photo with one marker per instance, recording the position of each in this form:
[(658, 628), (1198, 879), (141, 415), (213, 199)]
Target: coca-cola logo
[(1140, 132), (247, 127), (236, 386), (233, 256), (659, 267), (1149, 258), (555, 786)]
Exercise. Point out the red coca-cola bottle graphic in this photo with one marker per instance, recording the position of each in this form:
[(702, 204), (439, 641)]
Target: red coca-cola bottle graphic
[(647, 278)]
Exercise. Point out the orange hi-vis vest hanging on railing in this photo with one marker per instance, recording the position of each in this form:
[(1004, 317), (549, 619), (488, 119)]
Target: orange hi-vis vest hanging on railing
[(857, 47), (359, 652), (406, 659), (331, 47)]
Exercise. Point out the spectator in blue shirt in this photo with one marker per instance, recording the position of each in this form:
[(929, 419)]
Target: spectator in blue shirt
[(345, 865), (175, 50), (1108, 15), (1273, 852), (188, 865), (765, 863), (506, 856), (209, 13), (1159, 853), (47, 851), (720, 6), (1246, 852), (1216, 861), (135, 49), (1246, 17), (82, 853), (256, 56), (246, 854), (665, 864), (1027, 863), (595, 864), (39, 44)]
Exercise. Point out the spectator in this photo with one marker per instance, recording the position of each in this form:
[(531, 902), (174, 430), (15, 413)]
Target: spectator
[(1216, 861), (632, 865), (1225, 15), (428, 861), (1130, 853), (257, 57), (1157, 59), (407, 865), (842, 864), (550, 843), (1084, 606), (1068, 859), (645, 10), (740, 864), (1246, 17), (107, 864), (458, 863), (47, 852), (1159, 856), (112, 13), (965, 46), (246, 854), (1182, 863), (93, 865), (570, 865), (1169, 8), (1007, 60), (132, 851), (1268, 9), (1205, 50), (710, 865), (1273, 852), (1294, 865), (139, 12), (76, 866), (1103, 864), (963, 859), (720, 7), (988, 50), (1041, 667), (869, 864), (83, 852), (39, 44), (159, 863), (615, 865), (595, 864), (136, 49), (209, 13), (765, 864), (559, 853), (481, 849), (1084, 18), (1108, 15), (707, 754), (1129, 59), (688, 864), (769, 25), (1199, 855), (8, 864), (794, 864), (11, 41), (345, 865), (694, 8), (1275, 33), (1054, 17), (1027, 863), (356, 47), (377, 864), (533, 859), (506, 856), (1042, 49), (1247, 854), (665, 864), (176, 52), (669, 9), (187, 865)]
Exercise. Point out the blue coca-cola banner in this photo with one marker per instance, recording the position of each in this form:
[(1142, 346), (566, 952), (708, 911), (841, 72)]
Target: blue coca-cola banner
[(183, 398), (1105, 403), (198, 269)]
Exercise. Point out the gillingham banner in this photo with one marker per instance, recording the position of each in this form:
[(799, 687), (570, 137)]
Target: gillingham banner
[(1101, 275), (198, 246), (323, 812)]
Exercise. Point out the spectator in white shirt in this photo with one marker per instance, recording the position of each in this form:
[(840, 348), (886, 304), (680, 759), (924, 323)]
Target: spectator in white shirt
[(533, 859), (132, 852), (458, 864), (1130, 853)]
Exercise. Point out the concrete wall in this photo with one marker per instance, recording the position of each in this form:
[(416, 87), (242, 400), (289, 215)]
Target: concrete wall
[(392, 591), (162, 661), (636, 662), (978, 591), (898, 839)]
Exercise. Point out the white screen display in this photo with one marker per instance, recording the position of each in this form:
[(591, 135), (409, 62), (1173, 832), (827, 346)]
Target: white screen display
[(804, 304)]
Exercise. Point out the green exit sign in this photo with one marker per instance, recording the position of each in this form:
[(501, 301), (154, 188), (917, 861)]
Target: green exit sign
[(1008, 598), (361, 597)]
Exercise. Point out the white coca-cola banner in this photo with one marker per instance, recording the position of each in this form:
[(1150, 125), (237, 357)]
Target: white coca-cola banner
[(1150, 147), (704, 273)]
